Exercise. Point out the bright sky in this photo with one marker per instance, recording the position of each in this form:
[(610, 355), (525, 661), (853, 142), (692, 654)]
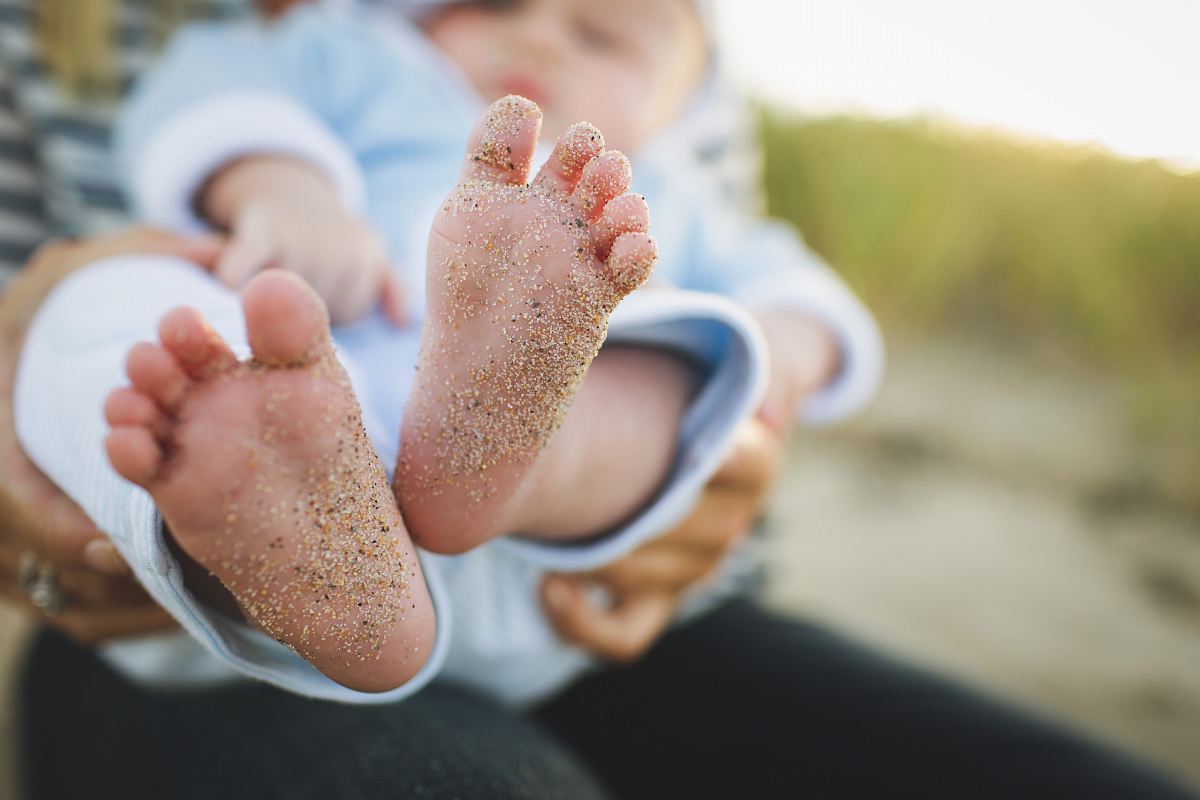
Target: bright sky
[(1123, 73)]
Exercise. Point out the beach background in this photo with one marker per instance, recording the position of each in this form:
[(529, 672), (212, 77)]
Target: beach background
[(1012, 188)]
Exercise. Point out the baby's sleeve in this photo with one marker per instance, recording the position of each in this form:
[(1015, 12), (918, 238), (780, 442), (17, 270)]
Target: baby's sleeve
[(725, 344), (764, 265), (222, 91)]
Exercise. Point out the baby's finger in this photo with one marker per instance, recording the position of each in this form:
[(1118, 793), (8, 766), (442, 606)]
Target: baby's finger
[(351, 297), (242, 258), (394, 299), (723, 515)]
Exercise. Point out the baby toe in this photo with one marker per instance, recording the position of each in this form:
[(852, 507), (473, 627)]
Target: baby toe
[(502, 142), (127, 406), (186, 335), (628, 213), (631, 261), (286, 321), (157, 374), (133, 453), (606, 176), (572, 152)]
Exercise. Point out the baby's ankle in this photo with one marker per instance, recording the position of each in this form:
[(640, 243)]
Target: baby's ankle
[(614, 450)]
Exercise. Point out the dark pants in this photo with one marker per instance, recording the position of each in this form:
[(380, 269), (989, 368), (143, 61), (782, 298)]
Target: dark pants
[(739, 704)]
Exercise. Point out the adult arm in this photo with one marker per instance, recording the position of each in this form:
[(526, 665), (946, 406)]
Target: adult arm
[(36, 518)]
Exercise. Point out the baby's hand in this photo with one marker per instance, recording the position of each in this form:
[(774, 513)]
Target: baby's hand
[(282, 213), (804, 357)]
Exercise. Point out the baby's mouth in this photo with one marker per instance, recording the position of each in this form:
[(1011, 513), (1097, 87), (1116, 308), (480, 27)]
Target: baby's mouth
[(525, 86)]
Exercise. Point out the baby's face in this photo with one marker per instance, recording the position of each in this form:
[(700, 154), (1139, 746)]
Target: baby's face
[(626, 66)]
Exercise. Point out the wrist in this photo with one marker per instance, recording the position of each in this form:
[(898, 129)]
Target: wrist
[(805, 357), (804, 352), (262, 180)]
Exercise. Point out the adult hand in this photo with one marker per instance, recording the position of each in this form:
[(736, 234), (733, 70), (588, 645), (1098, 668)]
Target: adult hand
[(38, 523), (648, 585)]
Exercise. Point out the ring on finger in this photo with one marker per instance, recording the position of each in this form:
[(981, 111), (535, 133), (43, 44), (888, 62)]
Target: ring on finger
[(39, 581)]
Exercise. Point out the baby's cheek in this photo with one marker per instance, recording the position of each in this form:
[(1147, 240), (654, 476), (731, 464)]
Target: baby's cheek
[(603, 112), (595, 89)]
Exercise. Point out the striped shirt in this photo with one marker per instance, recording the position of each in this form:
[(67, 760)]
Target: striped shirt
[(57, 172)]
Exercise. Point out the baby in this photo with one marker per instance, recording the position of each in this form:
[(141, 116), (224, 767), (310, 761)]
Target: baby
[(263, 473), (346, 134)]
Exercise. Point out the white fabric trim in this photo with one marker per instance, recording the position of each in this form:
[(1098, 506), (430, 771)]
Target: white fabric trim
[(195, 143), (819, 293), (73, 356)]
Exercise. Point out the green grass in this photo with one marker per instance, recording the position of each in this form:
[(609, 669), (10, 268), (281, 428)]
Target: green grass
[(946, 231)]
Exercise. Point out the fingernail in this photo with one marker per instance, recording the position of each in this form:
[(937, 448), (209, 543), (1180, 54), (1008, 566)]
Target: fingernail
[(101, 556)]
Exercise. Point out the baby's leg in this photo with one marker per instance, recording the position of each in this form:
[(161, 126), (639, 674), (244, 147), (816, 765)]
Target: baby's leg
[(614, 450), (263, 473), (522, 279)]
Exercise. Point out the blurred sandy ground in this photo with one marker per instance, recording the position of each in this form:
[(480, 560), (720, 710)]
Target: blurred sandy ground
[(987, 518)]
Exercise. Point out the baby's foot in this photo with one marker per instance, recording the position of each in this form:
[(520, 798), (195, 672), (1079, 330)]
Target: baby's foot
[(263, 474), (521, 281)]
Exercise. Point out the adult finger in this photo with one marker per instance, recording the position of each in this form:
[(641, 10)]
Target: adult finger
[(68, 533), (89, 626), (102, 556), (722, 515), (81, 585), (100, 627), (620, 633), (655, 570), (203, 251), (54, 260), (37, 515), (64, 254), (754, 460)]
